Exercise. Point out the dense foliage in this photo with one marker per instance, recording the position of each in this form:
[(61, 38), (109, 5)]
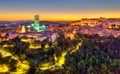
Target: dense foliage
[(95, 55)]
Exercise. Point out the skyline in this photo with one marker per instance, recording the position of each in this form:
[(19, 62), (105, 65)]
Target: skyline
[(58, 10)]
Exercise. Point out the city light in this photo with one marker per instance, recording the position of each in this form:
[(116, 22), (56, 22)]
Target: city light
[(60, 37)]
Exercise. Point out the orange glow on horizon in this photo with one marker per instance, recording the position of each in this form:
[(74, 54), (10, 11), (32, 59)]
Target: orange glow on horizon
[(55, 16)]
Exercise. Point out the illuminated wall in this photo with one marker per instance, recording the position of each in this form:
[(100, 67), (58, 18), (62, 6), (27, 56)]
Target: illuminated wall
[(23, 29)]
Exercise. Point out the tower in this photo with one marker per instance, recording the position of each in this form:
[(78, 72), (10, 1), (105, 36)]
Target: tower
[(36, 23), (19, 26), (23, 28), (36, 20)]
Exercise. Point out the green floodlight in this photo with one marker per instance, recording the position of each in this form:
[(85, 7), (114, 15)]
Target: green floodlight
[(39, 28), (36, 25), (28, 26)]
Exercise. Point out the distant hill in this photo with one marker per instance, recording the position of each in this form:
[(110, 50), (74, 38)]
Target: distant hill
[(30, 21), (54, 22), (5, 22)]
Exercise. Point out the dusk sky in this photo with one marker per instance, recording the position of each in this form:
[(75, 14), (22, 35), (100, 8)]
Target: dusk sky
[(58, 9)]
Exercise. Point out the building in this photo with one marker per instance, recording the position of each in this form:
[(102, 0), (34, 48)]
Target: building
[(86, 22), (36, 25), (23, 29)]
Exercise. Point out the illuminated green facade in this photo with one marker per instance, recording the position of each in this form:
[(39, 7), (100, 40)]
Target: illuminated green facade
[(36, 25)]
